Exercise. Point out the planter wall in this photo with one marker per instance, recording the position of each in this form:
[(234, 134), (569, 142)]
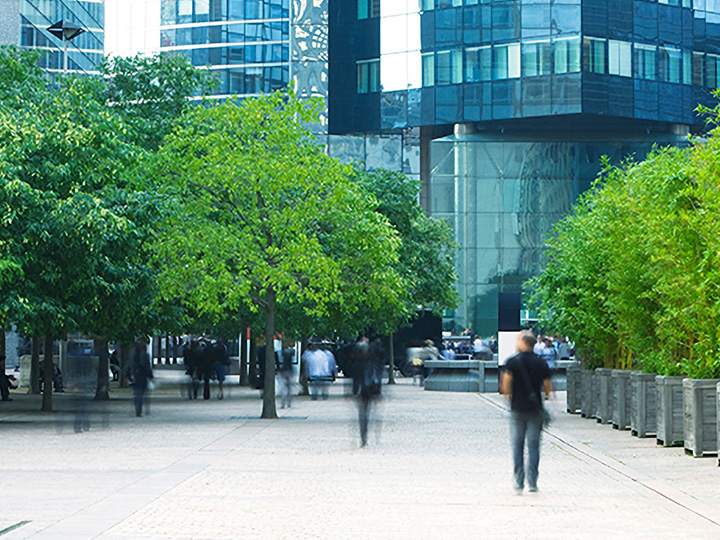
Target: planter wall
[(643, 404), (670, 429), (604, 406), (700, 404), (574, 389), (621, 398), (588, 399)]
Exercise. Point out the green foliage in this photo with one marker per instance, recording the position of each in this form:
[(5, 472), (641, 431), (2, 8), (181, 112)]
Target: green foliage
[(151, 93), (632, 275), (262, 209), (74, 223), (427, 254)]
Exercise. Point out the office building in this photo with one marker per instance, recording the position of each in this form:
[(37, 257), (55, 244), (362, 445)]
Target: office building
[(515, 103), (26, 22)]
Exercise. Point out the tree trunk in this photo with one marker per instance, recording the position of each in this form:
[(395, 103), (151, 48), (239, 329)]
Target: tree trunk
[(124, 362), (391, 367), (35, 347), (243, 352), (269, 410), (304, 390), (47, 405), (102, 390), (2, 345)]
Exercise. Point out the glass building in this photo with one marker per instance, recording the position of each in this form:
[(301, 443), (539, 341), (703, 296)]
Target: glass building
[(516, 102), (245, 42), (35, 16)]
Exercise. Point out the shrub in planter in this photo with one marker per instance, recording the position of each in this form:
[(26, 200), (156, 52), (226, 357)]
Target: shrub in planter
[(701, 418), (643, 404)]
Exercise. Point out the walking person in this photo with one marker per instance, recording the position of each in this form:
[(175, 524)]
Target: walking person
[(369, 371), (285, 374), (141, 373), (221, 363), (320, 366), (524, 375), (205, 365)]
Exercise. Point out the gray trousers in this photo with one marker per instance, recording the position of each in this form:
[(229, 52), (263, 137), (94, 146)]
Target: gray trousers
[(525, 428)]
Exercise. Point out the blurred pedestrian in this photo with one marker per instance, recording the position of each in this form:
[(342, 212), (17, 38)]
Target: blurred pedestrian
[(524, 375), (221, 363), (320, 367), (115, 365), (205, 365), (190, 359), (285, 373), (5, 381), (141, 374), (369, 371)]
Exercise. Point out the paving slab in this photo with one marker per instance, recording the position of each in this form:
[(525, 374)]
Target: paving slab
[(437, 466)]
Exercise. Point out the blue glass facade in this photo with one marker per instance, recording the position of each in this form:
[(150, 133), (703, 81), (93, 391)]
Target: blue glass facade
[(435, 62), (84, 52), (245, 42), (516, 101)]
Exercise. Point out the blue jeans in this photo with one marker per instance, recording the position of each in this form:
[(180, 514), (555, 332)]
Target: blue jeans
[(525, 427)]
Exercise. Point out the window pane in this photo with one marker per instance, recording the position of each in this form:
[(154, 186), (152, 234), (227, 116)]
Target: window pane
[(456, 66), (594, 55), (428, 69), (443, 67), (619, 58)]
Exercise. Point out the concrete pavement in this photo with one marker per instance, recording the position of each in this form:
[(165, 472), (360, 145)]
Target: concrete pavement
[(438, 466)]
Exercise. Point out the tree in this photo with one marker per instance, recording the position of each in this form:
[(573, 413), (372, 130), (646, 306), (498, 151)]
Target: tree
[(427, 253), (66, 157), (152, 93), (264, 217)]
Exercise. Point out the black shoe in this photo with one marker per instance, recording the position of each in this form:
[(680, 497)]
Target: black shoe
[(7, 399)]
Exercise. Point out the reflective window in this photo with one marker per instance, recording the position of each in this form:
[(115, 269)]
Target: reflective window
[(594, 55), (506, 61), (567, 55), (687, 67), (645, 61), (669, 64), (478, 64), (712, 71), (368, 75), (428, 69), (449, 67), (368, 9), (698, 71), (620, 58), (536, 58)]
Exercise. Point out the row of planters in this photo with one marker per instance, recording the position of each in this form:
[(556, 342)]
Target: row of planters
[(676, 410)]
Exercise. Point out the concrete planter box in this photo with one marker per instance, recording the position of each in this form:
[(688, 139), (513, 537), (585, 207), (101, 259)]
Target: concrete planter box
[(604, 396), (621, 396), (455, 375), (643, 404), (670, 430), (587, 399), (700, 405), (574, 389)]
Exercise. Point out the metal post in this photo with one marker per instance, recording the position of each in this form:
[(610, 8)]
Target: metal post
[(65, 58)]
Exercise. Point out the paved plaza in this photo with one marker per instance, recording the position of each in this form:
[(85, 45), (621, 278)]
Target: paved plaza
[(437, 466)]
